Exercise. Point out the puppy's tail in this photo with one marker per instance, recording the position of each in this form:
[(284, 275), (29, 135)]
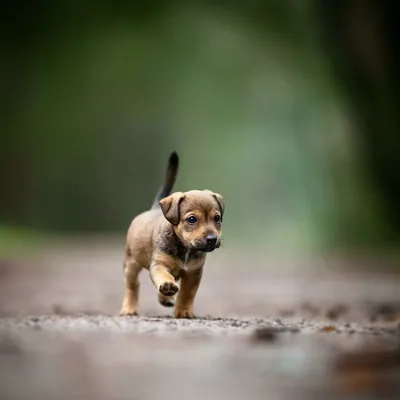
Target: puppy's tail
[(169, 181)]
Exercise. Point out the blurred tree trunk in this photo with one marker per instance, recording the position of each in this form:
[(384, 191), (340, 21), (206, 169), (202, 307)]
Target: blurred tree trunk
[(14, 145), (361, 39)]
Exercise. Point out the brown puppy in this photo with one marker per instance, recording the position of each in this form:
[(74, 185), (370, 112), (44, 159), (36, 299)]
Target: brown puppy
[(171, 241)]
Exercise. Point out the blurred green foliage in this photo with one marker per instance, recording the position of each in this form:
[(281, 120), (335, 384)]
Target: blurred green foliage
[(97, 94)]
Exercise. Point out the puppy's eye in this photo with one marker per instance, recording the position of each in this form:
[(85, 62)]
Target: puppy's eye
[(217, 219), (192, 219)]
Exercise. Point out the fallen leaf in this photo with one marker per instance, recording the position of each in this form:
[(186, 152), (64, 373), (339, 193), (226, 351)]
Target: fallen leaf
[(369, 370), (328, 328)]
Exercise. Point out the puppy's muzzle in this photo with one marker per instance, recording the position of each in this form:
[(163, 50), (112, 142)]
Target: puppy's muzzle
[(209, 244)]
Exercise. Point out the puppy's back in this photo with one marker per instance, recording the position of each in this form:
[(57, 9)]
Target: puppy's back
[(139, 240)]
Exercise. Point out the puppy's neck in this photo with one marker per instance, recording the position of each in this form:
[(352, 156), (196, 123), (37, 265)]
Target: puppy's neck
[(174, 246), (178, 245)]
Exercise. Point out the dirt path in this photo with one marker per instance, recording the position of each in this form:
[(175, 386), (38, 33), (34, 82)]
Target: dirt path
[(268, 330)]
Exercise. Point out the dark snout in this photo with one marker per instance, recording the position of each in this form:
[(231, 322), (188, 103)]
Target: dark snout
[(209, 243), (211, 240)]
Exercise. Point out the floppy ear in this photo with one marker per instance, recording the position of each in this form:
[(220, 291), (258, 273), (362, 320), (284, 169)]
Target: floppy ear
[(170, 206), (220, 201)]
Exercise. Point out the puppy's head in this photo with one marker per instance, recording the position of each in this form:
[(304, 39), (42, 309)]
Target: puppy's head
[(196, 217)]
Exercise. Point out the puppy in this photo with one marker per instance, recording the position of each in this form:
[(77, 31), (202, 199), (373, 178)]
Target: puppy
[(171, 240)]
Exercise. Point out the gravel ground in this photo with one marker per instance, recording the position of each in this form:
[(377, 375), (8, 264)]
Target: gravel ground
[(269, 328)]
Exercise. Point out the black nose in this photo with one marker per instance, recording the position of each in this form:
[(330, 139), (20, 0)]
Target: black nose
[(211, 239)]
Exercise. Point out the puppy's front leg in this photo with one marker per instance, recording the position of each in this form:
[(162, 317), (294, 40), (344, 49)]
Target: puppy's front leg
[(189, 285), (160, 274)]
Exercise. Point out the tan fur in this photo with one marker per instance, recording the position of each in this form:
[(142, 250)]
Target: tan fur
[(172, 248)]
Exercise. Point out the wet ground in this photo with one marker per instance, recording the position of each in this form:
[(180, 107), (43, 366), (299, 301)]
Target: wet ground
[(266, 328)]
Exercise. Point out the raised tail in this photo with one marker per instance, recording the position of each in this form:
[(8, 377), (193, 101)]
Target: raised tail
[(169, 181)]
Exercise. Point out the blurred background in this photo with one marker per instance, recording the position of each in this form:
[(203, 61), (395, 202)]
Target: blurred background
[(287, 108)]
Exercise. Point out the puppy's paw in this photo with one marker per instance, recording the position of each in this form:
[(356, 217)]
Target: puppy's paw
[(128, 312), (166, 301), (168, 288), (182, 313)]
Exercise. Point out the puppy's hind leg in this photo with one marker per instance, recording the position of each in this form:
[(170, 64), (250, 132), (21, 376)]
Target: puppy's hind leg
[(132, 286)]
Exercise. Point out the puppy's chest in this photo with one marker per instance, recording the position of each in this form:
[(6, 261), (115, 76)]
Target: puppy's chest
[(178, 251), (193, 260), (188, 261)]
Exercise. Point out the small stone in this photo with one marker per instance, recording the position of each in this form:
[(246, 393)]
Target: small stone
[(265, 334)]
